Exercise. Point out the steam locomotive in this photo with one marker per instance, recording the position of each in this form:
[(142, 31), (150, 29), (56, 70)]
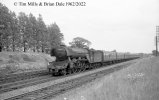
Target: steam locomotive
[(70, 60)]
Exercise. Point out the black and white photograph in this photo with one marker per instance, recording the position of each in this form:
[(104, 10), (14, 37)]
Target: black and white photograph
[(79, 50)]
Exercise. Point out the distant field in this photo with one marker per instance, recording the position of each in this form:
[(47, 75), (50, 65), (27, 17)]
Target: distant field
[(14, 62), (139, 81)]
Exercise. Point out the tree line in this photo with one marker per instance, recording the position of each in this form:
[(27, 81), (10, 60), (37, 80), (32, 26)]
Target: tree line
[(24, 32)]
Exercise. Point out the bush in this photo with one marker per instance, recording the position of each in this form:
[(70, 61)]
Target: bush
[(26, 58), (14, 57), (11, 61)]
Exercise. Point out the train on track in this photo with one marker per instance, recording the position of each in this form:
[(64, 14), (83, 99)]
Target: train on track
[(71, 60)]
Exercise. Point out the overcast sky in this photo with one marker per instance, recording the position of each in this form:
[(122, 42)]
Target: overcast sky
[(124, 25)]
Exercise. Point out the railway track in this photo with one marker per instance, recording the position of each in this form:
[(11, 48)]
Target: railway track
[(32, 79), (17, 81), (21, 76), (24, 83), (61, 87), (28, 82)]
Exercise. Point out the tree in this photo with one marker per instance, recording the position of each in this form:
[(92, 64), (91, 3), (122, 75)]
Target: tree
[(80, 43), (55, 36), (5, 20), (25, 30), (154, 52), (15, 37), (34, 32), (42, 31)]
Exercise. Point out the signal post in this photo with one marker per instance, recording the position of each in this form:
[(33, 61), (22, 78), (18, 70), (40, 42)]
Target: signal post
[(157, 39)]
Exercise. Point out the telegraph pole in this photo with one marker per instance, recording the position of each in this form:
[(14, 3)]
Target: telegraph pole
[(156, 47), (157, 36)]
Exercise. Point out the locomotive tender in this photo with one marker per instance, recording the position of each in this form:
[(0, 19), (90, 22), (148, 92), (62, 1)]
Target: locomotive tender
[(70, 60)]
